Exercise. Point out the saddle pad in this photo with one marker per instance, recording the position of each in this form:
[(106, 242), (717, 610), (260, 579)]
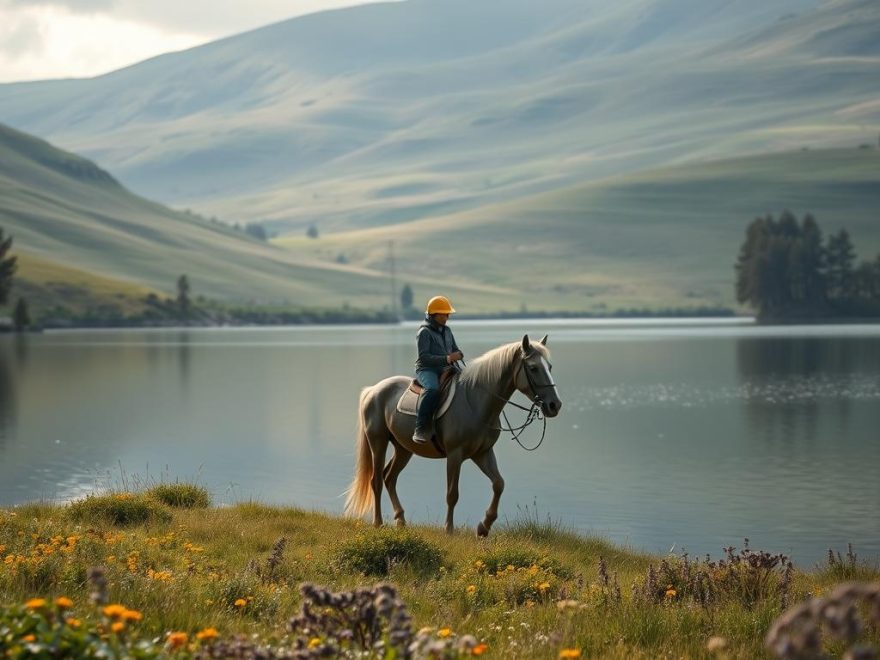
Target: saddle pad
[(408, 402)]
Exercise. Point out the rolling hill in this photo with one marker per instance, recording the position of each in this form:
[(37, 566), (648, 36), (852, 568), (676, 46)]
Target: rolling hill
[(81, 235)]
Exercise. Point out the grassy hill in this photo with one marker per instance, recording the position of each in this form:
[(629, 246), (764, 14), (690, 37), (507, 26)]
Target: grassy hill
[(532, 590), (85, 240), (660, 238), (397, 112)]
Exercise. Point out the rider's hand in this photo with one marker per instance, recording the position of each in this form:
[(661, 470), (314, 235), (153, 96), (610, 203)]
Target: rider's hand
[(454, 357)]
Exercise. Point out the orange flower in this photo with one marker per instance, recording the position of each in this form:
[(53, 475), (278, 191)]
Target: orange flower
[(207, 633), (479, 649), (118, 626), (670, 592), (132, 615), (63, 602), (471, 588), (73, 623), (177, 639), (29, 638), (570, 653), (35, 603), (114, 611), (444, 632), (241, 602)]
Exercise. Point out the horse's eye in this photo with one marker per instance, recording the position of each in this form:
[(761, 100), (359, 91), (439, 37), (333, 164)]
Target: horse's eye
[(532, 367)]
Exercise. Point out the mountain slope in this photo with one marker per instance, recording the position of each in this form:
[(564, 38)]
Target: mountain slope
[(660, 238), (395, 112), (70, 219)]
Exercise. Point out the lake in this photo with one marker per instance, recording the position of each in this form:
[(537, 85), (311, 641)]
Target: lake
[(673, 434)]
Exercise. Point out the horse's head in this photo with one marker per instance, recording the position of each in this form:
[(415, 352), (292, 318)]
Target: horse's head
[(534, 379)]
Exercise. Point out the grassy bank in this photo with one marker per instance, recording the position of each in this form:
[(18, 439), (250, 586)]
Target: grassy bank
[(192, 577)]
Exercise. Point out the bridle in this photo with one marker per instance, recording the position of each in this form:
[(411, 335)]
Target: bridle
[(535, 411)]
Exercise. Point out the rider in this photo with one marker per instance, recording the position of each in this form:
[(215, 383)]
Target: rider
[(437, 351)]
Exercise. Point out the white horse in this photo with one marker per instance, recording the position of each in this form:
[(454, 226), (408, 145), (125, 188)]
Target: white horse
[(468, 430)]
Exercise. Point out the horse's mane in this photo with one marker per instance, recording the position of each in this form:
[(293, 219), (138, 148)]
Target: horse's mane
[(488, 369)]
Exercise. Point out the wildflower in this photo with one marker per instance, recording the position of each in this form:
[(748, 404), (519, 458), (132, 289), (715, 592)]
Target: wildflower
[(207, 633), (118, 626), (544, 586), (479, 649), (314, 642), (63, 602), (671, 592), (471, 588), (241, 602), (716, 643), (35, 604), (29, 638), (177, 639), (73, 623), (444, 632), (570, 653), (510, 568), (132, 615), (427, 630), (114, 611)]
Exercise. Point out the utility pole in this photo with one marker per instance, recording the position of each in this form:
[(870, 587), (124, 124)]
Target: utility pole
[(394, 313)]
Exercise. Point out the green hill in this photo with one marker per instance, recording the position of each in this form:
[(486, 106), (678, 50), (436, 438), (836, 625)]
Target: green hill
[(83, 239), (661, 238)]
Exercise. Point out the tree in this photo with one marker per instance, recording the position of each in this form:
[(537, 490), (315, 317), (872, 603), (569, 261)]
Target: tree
[(839, 259), (256, 230), (406, 297), (183, 302), (312, 231), (7, 268), (20, 318)]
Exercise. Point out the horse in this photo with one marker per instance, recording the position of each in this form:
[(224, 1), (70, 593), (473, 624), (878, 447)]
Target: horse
[(468, 430)]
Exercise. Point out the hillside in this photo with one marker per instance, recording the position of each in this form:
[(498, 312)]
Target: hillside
[(660, 238), (80, 234), (398, 112)]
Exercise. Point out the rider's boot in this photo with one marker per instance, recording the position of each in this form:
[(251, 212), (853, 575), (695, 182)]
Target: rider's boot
[(425, 419)]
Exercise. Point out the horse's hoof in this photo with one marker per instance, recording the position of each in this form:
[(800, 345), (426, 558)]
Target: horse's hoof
[(401, 522), (482, 530)]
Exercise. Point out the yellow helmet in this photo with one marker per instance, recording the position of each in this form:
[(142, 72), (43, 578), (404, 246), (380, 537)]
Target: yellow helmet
[(439, 305)]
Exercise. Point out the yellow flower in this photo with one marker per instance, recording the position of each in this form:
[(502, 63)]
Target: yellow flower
[(570, 653), (241, 602), (63, 602), (207, 633), (29, 638), (671, 592), (544, 586), (118, 626), (510, 568), (177, 639), (35, 603), (444, 632), (114, 611), (479, 649), (471, 588), (132, 615), (314, 642)]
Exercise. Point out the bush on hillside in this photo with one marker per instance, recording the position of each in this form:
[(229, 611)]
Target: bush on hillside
[(376, 552)]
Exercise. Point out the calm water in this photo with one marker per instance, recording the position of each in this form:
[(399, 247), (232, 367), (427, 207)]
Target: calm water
[(685, 434)]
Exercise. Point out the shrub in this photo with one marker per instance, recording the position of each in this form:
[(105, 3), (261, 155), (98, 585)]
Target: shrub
[(181, 495), (119, 509), (376, 552), (842, 568)]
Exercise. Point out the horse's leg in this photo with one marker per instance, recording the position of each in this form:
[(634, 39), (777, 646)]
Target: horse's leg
[(453, 470), (378, 445), (392, 470), (486, 462)]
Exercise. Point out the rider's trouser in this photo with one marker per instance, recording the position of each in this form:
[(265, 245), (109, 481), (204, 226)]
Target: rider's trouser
[(429, 399)]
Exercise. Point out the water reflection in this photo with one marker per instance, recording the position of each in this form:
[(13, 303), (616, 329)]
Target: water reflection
[(7, 389)]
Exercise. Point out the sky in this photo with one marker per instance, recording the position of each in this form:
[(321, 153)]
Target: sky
[(42, 39)]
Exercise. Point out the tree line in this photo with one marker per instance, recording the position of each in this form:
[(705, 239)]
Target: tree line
[(785, 270)]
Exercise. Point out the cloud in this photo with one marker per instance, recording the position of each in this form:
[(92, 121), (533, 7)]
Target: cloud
[(20, 36), (76, 6)]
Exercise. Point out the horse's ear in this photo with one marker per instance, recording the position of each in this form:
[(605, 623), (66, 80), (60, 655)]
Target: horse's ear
[(525, 345), (544, 340)]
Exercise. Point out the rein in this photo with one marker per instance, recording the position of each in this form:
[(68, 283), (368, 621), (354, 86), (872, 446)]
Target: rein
[(534, 411)]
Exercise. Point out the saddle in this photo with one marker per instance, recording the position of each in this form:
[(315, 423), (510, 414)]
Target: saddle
[(409, 400)]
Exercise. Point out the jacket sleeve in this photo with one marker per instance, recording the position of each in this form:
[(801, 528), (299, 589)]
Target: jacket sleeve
[(454, 343), (426, 358)]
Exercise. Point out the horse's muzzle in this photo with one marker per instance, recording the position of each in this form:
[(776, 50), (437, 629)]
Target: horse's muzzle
[(551, 408)]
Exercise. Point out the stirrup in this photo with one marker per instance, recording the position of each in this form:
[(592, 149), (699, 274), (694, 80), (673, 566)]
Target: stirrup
[(422, 436)]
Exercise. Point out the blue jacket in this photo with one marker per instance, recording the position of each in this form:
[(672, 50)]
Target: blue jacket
[(435, 342)]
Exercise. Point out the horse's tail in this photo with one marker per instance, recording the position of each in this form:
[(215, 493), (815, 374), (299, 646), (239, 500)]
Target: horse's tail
[(360, 492)]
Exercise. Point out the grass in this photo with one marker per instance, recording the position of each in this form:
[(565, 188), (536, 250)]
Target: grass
[(531, 590)]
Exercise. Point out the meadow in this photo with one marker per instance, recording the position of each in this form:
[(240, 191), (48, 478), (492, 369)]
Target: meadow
[(162, 573)]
